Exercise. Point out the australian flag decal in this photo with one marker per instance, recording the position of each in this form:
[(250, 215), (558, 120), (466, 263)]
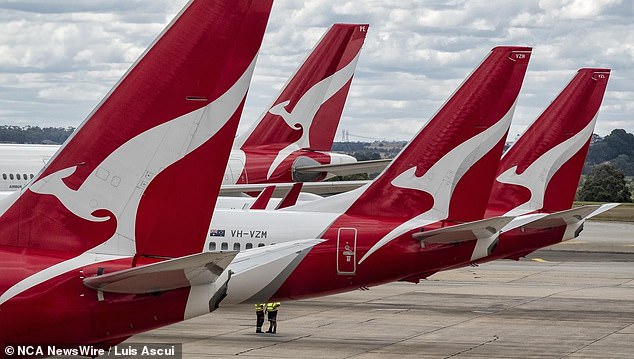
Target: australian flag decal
[(216, 232)]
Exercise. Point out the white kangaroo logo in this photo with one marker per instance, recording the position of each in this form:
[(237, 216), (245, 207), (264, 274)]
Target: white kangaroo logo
[(538, 175), (306, 108), (53, 184), (118, 182), (135, 164), (441, 178)]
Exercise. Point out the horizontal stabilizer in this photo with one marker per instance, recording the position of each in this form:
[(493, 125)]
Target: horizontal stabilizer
[(281, 189), (603, 208), (561, 218), (251, 273), (259, 272), (520, 221), (481, 229), (197, 269), (346, 169), (291, 197)]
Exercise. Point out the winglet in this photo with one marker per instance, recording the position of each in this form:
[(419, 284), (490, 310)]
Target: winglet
[(263, 198), (291, 197)]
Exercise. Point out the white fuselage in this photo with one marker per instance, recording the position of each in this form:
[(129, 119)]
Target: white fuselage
[(21, 162), (245, 229)]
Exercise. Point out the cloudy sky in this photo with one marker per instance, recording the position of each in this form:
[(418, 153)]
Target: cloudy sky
[(59, 58)]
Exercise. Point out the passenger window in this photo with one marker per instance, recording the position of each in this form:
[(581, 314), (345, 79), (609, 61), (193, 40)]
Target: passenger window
[(18, 176), (260, 244), (224, 246), (25, 176), (4, 176), (236, 247), (10, 175), (212, 246), (31, 176), (248, 246)]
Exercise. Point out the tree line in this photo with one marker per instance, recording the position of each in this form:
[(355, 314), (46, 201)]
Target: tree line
[(610, 159), (34, 134), (617, 148)]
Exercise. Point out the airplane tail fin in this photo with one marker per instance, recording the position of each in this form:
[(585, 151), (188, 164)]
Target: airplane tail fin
[(446, 171), (128, 180), (306, 113), (541, 171), (313, 99)]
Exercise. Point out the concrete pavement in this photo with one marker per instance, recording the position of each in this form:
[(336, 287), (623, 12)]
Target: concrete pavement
[(580, 305)]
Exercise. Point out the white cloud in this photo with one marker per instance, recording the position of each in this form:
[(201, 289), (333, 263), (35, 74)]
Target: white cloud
[(57, 59), (583, 9)]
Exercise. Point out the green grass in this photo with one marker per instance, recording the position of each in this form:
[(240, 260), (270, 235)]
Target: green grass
[(622, 213)]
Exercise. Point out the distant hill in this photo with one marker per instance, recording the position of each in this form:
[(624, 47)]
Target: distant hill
[(375, 150), (34, 134), (616, 148)]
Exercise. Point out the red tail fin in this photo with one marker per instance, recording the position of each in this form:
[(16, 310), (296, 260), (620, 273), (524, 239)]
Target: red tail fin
[(129, 179), (307, 111), (542, 169), (447, 169)]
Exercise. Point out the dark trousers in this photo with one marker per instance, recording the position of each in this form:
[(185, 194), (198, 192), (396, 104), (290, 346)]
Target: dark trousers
[(272, 322), (259, 320)]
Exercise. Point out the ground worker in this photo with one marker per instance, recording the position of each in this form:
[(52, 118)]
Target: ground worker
[(259, 315), (271, 308)]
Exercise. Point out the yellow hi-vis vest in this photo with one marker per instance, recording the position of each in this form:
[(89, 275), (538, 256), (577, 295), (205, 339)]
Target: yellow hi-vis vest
[(259, 307), (272, 307)]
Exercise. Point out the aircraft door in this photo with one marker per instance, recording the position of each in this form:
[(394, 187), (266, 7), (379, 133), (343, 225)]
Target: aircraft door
[(346, 251)]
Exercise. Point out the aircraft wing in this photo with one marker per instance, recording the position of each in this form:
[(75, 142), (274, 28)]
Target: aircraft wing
[(281, 189), (481, 229), (196, 269), (345, 169)]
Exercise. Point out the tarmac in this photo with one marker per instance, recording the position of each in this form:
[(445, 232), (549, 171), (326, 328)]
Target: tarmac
[(573, 300)]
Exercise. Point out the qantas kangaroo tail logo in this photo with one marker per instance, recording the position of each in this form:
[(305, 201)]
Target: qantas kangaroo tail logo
[(461, 143), (542, 169), (146, 157), (439, 175), (135, 160), (307, 111)]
